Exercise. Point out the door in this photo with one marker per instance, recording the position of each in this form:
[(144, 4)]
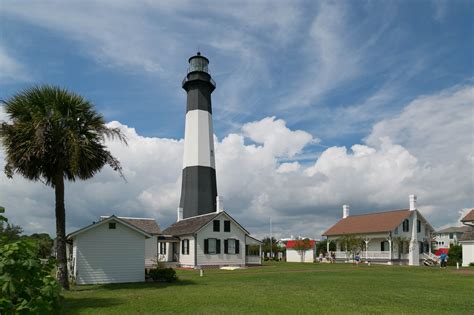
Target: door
[(175, 252)]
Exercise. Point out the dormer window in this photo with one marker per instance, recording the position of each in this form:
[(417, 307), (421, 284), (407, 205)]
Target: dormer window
[(216, 225)]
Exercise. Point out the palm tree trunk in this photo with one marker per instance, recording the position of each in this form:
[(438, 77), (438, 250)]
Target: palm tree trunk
[(61, 231)]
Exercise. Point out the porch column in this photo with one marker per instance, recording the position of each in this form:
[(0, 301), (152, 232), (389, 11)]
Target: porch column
[(366, 241), (327, 245), (260, 253), (390, 251)]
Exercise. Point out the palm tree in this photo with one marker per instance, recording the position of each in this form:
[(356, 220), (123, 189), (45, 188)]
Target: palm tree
[(53, 134)]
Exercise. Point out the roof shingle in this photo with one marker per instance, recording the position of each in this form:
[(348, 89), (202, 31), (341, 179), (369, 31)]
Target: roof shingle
[(148, 225), (190, 225), (469, 217), (454, 229), (369, 223), (468, 235)]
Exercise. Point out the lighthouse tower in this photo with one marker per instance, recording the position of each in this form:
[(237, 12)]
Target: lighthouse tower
[(199, 188)]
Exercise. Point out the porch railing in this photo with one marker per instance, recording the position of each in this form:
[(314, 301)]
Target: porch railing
[(370, 255), (255, 260)]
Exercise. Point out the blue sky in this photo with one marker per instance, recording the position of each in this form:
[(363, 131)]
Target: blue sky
[(333, 70)]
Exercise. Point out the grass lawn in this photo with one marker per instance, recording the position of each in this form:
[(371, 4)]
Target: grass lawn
[(288, 288)]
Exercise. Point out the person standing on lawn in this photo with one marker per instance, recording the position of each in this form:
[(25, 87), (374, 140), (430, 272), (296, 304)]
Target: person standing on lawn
[(443, 258)]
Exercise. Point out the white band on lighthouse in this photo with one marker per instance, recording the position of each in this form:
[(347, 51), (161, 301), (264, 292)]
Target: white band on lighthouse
[(198, 139)]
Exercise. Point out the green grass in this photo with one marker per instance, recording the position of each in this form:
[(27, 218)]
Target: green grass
[(286, 288)]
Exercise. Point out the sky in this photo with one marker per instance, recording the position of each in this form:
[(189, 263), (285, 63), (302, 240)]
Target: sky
[(318, 104)]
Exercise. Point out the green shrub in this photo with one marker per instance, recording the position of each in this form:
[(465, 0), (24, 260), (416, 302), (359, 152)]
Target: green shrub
[(26, 285), (163, 274), (471, 264), (454, 255)]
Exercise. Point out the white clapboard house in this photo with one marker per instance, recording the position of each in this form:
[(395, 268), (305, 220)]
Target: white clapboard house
[(209, 240), (402, 236), (467, 239), (112, 250)]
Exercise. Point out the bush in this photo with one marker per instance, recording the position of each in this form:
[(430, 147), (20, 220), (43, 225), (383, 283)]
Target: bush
[(471, 264), (163, 274), (26, 284), (454, 255)]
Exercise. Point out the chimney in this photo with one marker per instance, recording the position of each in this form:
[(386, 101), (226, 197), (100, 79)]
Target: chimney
[(345, 211), (412, 202), (220, 203), (180, 214)]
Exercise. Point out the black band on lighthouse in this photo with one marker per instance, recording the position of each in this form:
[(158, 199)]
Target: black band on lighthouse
[(198, 191)]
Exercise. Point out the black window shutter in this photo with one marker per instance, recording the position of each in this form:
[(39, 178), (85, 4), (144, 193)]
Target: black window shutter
[(206, 246), (182, 247), (226, 247), (187, 247), (237, 247), (218, 246)]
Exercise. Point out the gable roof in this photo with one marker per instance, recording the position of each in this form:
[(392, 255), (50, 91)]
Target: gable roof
[(111, 218), (194, 224), (148, 225), (453, 229), (189, 225), (468, 217), (468, 235), (369, 223)]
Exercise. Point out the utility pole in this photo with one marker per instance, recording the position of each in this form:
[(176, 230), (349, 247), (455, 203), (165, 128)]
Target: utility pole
[(271, 239)]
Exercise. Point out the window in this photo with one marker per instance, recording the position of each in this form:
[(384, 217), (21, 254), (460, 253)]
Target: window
[(451, 236), (226, 226), (231, 246), (212, 246), (112, 225), (162, 248), (406, 225), (396, 230), (217, 225), (418, 226), (185, 247)]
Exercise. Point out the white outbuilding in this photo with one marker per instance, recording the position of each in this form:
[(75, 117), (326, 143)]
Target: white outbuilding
[(109, 251), (467, 239)]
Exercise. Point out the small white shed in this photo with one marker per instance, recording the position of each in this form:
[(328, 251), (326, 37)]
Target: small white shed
[(109, 251)]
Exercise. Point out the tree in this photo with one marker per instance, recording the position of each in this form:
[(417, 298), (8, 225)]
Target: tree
[(454, 255), (52, 135), (301, 246), (321, 247), (270, 245), (45, 243), (352, 244), (10, 231)]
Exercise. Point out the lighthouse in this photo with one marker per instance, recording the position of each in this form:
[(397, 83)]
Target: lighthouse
[(198, 188)]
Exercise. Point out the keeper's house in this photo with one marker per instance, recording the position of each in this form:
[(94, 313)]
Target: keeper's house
[(467, 240), (208, 240), (403, 235)]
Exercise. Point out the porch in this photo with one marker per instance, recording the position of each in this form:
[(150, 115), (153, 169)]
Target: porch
[(371, 255)]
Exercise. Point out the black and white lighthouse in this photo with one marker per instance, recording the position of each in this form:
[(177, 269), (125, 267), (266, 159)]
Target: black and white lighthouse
[(199, 188)]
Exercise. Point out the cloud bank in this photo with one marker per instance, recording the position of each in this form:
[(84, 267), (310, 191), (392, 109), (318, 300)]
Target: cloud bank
[(425, 149)]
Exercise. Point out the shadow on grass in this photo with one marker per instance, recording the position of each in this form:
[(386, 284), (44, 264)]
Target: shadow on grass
[(135, 285), (76, 306)]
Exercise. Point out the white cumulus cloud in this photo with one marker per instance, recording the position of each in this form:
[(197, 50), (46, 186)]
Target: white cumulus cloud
[(426, 149)]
